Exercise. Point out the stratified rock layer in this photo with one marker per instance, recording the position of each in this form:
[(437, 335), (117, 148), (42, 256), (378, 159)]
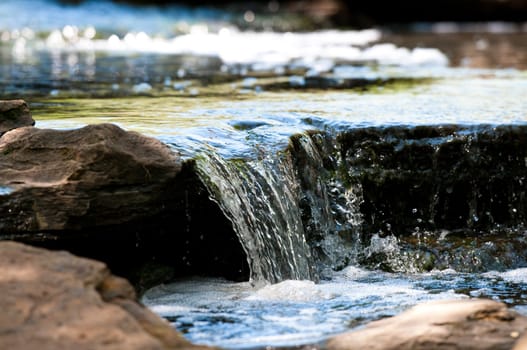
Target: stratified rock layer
[(457, 324), (14, 114), (54, 300), (438, 177)]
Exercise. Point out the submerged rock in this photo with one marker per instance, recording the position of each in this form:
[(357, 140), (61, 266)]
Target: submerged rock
[(69, 180), (54, 300), (455, 324), (14, 114)]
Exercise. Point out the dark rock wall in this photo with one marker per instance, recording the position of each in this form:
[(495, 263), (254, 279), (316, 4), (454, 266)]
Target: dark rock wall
[(443, 177), (364, 13)]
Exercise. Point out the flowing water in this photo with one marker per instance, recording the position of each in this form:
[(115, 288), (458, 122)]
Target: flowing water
[(264, 116)]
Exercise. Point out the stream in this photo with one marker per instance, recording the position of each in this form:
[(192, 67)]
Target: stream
[(272, 121)]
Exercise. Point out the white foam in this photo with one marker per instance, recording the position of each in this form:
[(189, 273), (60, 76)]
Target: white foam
[(237, 315), (514, 276), (354, 273), (292, 291)]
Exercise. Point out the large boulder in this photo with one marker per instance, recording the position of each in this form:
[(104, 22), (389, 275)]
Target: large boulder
[(472, 324), (54, 300), (14, 114), (114, 196), (99, 175)]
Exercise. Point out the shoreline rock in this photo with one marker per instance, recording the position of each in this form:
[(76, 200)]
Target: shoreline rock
[(14, 114), (468, 324), (55, 300)]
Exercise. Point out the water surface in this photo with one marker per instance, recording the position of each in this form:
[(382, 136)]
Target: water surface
[(290, 313)]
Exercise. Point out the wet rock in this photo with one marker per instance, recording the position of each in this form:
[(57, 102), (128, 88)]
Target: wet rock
[(69, 180), (14, 114), (458, 324), (438, 177), (54, 300)]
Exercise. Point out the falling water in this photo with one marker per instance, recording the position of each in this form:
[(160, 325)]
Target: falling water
[(260, 197), (293, 216)]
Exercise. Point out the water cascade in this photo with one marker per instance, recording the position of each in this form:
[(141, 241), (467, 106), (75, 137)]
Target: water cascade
[(260, 197), (382, 217), (286, 208), (400, 199)]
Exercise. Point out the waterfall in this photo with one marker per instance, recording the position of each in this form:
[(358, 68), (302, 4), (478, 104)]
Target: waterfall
[(330, 205), (389, 198), (260, 197), (292, 213)]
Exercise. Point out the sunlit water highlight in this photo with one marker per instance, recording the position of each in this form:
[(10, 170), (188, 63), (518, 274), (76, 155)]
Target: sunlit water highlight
[(5, 190), (235, 125)]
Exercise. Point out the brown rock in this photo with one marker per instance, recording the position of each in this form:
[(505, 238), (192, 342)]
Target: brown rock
[(75, 179), (14, 114), (521, 344), (54, 300), (455, 324)]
